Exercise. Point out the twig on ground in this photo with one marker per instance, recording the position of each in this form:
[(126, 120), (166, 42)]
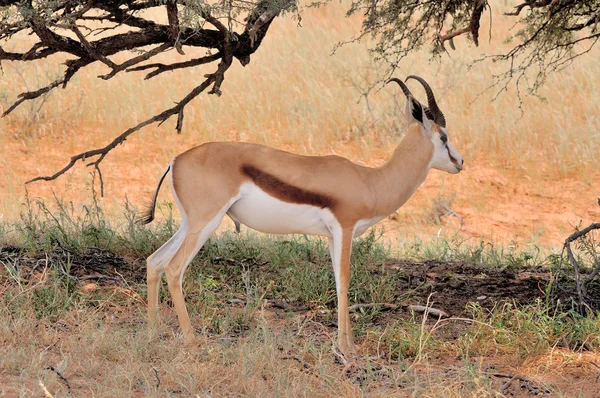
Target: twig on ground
[(580, 283), (157, 378), (527, 383), (598, 375), (506, 385), (101, 277), (46, 392), (301, 361), (387, 306), (60, 376), (429, 311)]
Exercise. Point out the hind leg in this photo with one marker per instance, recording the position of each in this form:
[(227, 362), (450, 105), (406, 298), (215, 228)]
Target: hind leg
[(155, 266), (198, 234), (153, 276)]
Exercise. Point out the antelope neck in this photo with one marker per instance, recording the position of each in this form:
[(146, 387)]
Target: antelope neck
[(396, 181)]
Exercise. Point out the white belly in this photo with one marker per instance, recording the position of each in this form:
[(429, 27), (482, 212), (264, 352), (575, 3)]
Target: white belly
[(362, 225), (262, 212)]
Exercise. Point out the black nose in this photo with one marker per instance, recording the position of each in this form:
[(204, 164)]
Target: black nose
[(462, 161)]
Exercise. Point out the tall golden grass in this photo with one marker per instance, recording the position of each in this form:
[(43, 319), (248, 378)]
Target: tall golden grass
[(529, 177)]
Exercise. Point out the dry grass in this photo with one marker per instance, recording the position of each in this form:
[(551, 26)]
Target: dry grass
[(100, 346), (72, 301)]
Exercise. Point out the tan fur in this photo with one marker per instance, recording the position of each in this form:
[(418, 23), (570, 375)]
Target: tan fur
[(358, 192), (207, 177)]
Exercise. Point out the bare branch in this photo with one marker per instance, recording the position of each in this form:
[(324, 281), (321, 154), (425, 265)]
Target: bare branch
[(225, 63), (267, 16), (215, 22), (102, 152), (387, 306), (580, 283), (578, 234), (173, 18), (33, 94), (530, 4), (452, 35), (160, 68), (31, 55), (136, 60), (90, 50), (101, 180), (474, 24), (73, 67), (473, 28)]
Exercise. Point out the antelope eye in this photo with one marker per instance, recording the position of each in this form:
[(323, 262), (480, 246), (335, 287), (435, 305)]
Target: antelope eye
[(444, 138)]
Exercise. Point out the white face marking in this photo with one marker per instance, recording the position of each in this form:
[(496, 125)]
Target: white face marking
[(262, 212), (442, 152)]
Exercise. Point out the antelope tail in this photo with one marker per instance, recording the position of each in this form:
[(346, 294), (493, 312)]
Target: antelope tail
[(148, 216)]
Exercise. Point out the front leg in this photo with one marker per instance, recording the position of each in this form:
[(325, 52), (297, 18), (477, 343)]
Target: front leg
[(340, 248)]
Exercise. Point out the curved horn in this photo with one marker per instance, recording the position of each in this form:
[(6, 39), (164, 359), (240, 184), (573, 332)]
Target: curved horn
[(405, 89), (438, 116)]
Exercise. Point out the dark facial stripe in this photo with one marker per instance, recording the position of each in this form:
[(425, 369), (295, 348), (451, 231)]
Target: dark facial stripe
[(452, 159), (284, 191)]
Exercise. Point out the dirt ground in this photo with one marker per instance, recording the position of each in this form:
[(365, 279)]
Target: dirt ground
[(453, 285), (564, 371), (486, 201)]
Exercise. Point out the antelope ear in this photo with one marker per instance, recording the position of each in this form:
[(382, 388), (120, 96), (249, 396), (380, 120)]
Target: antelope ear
[(415, 112)]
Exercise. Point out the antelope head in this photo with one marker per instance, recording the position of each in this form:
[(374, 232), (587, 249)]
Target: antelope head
[(433, 125)]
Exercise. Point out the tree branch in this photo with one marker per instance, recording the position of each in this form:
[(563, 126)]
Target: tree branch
[(173, 17), (160, 68), (473, 28), (136, 60), (225, 63), (88, 47), (580, 284), (531, 4), (33, 94), (102, 152), (47, 21), (31, 55), (72, 67)]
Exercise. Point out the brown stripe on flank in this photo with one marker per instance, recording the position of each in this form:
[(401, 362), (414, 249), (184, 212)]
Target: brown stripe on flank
[(284, 191)]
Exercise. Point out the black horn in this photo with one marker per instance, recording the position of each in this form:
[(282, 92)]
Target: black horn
[(438, 116), (405, 89)]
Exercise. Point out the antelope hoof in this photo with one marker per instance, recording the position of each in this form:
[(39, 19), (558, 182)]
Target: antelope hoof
[(189, 337), (348, 349)]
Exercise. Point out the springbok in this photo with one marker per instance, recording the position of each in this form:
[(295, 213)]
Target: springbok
[(279, 192)]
